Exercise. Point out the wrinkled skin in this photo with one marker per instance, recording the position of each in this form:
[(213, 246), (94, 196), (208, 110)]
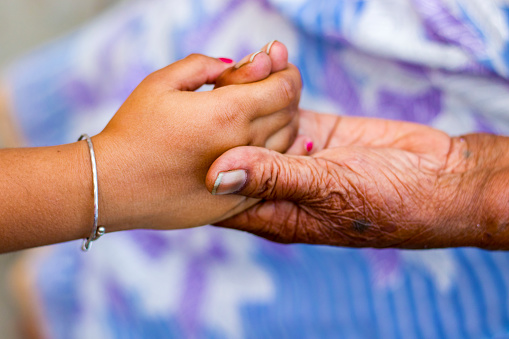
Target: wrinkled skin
[(154, 154), (376, 183)]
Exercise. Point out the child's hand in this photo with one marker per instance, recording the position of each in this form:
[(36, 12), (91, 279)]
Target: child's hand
[(259, 70), (154, 154), (255, 71)]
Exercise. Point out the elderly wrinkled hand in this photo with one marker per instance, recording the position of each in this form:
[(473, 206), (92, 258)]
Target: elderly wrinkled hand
[(373, 183)]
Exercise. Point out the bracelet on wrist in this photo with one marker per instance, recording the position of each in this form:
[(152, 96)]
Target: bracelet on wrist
[(97, 231)]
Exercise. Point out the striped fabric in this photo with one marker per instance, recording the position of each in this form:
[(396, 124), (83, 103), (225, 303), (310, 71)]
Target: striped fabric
[(443, 63)]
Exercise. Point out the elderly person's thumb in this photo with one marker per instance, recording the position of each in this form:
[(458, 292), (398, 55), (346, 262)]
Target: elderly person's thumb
[(264, 174)]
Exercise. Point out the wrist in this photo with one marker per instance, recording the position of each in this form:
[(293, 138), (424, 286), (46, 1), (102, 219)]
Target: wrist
[(115, 212), (486, 183), (494, 233)]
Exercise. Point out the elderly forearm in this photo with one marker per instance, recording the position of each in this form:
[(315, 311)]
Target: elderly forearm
[(494, 225), (477, 212)]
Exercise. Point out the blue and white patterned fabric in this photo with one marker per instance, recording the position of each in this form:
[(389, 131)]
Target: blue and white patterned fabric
[(443, 63)]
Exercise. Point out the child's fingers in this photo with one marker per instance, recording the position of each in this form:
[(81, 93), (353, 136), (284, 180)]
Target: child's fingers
[(276, 131), (278, 54), (191, 72), (254, 67), (263, 128), (273, 57), (282, 139), (261, 98)]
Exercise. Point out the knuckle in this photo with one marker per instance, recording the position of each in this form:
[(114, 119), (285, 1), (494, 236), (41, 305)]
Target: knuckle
[(194, 57), (152, 77), (198, 62)]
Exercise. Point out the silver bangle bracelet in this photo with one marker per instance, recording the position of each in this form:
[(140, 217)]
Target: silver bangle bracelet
[(97, 232)]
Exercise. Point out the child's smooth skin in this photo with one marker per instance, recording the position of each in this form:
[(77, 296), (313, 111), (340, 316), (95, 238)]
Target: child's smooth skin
[(152, 158), (248, 71), (173, 136)]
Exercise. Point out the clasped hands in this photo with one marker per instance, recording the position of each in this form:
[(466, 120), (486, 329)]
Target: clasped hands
[(366, 182)]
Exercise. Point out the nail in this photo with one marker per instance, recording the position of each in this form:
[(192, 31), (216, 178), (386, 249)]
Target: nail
[(270, 46), (309, 146), (226, 60), (245, 62), (229, 182)]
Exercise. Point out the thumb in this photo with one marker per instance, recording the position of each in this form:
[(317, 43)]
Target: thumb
[(192, 72), (264, 174)]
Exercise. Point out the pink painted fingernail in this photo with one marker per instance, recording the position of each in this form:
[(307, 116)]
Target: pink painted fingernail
[(229, 182), (226, 60), (309, 146)]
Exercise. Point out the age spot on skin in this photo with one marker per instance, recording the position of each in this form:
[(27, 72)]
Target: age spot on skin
[(361, 225), (467, 154)]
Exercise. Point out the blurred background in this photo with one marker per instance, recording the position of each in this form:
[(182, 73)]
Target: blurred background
[(388, 59), (25, 24)]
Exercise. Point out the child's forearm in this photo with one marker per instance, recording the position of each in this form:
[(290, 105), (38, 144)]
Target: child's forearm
[(46, 195)]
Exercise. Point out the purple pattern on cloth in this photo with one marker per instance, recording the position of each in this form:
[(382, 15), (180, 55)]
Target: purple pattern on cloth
[(420, 107), (57, 283), (385, 264), (117, 300), (217, 250), (442, 26), (483, 124), (275, 249), (416, 71), (206, 28), (88, 94), (340, 87), (195, 284), (82, 94), (153, 243), (192, 296)]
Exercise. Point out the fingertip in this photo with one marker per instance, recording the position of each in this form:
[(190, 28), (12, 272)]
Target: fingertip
[(269, 46), (257, 69), (278, 54)]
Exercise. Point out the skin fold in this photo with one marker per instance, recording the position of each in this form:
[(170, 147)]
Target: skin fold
[(376, 183)]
